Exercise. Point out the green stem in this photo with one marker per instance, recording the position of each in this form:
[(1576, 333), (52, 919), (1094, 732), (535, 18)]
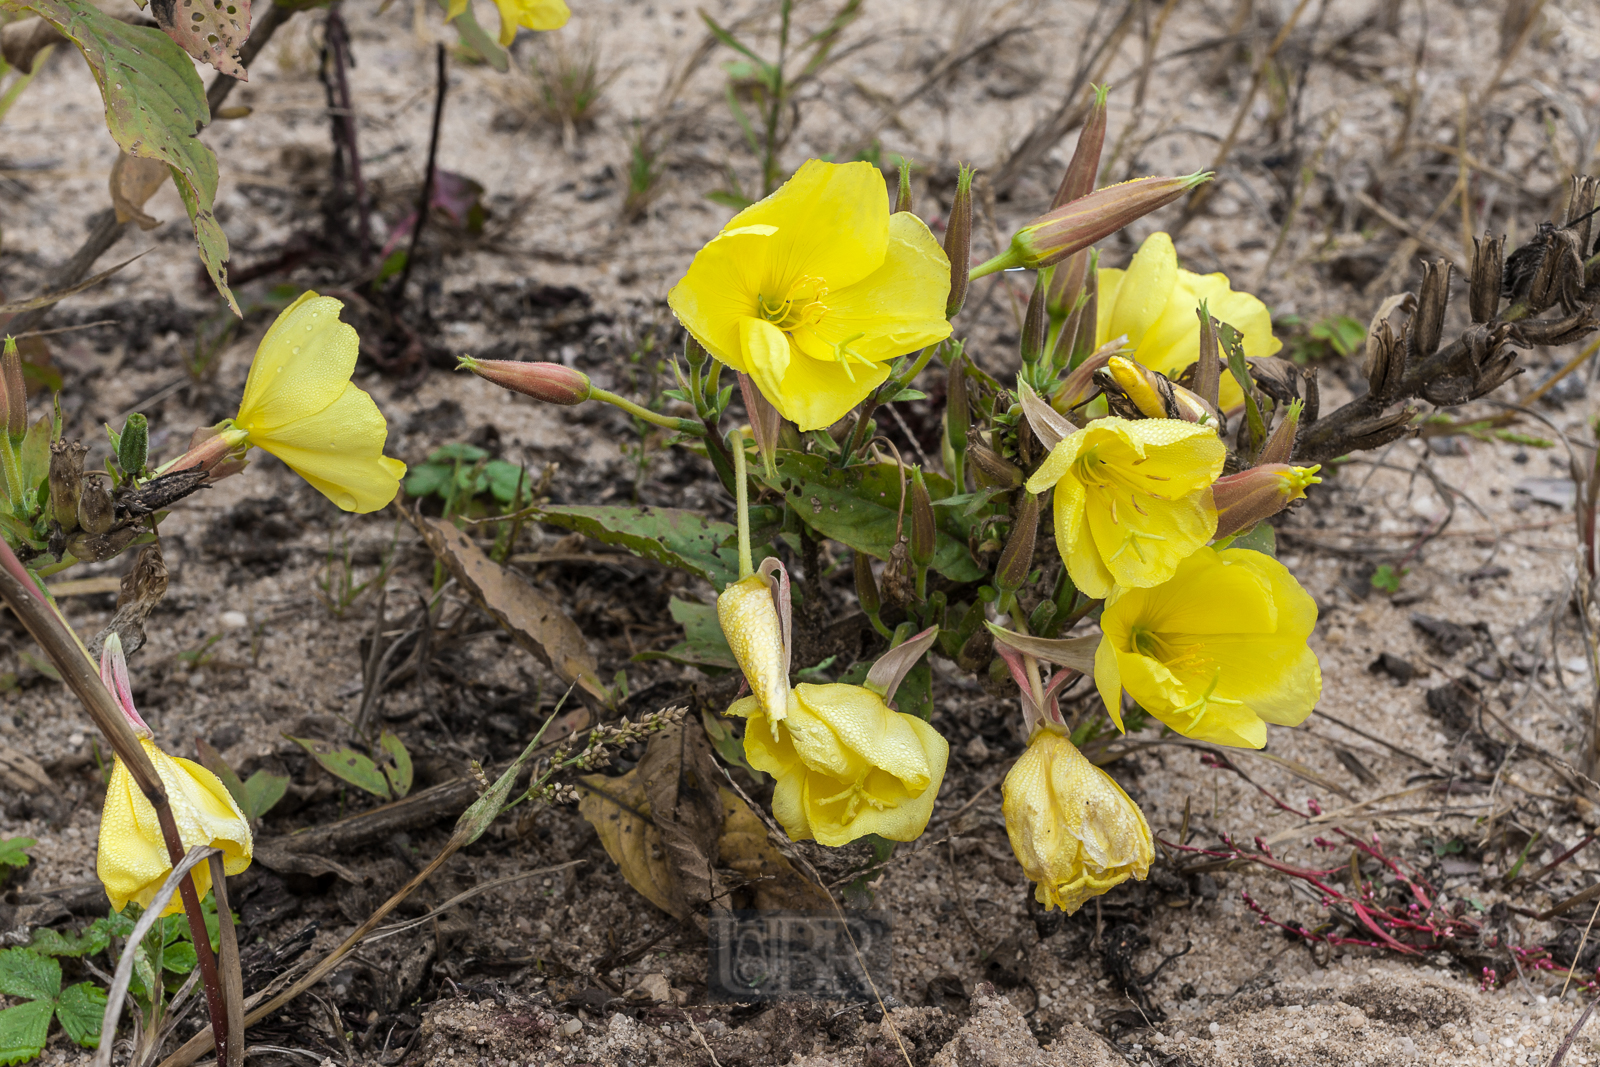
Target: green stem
[(669, 422), (1004, 261), (741, 490)]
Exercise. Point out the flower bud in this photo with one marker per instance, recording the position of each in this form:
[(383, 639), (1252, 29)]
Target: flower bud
[(1016, 559), (1250, 496), (1054, 236), (1066, 286), (958, 241), (133, 445), (923, 531), (1079, 179), (554, 383), (1033, 323), (766, 425), (902, 200), (993, 469), (866, 585), (1280, 446), (96, 512), (209, 446), (66, 482), (957, 409), (1072, 828), (14, 391), (1133, 390)]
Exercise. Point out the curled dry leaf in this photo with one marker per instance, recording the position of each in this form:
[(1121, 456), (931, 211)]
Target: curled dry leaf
[(680, 777), (134, 180), (619, 811), (745, 847), (209, 30), (534, 621), (142, 589)]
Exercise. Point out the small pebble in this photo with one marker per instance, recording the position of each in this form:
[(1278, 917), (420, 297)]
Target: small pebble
[(1214, 1028), (1480, 1037), (75, 739), (234, 620), (1507, 1042), (572, 1028)]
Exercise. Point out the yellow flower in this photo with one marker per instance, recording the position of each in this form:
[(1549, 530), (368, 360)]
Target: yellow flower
[(758, 635), (1072, 828), (300, 405), (815, 289), (1133, 498), (846, 764), (133, 859), (534, 14), (1153, 303), (1217, 652)]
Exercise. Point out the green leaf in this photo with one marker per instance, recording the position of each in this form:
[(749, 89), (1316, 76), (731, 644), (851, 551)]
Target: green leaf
[(685, 540), (703, 644), (50, 942), (729, 747), (155, 105), (14, 851), (428, 479), (347, 764), (399, 775), (212, 761), (505, 479), (1259, 538), (858, 505), (179, 958), (34, 455), (915, 695), (262, 791), (457, 450), (80, 1009), (476, 39), (23, 1030), (25, 973)]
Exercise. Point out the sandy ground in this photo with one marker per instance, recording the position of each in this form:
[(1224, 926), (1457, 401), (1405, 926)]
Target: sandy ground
[(242, 651)]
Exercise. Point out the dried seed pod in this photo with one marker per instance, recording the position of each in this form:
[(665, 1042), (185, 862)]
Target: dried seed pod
[(1488, 273), (993, 469), (96, 513), (1427, 325), (1385, 360), (66, 482)]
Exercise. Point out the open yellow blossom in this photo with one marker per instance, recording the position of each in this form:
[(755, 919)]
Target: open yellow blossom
[(133, 859), (1133, 498), (815, 289), (300, 405), (534, 14), (1153, 303), (1072, 827), (1216, 652), (846, 764)]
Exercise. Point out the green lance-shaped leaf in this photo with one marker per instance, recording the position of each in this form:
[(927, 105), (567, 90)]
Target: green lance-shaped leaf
[(703, 646), (681, 539), (348, 764), (155, 106)]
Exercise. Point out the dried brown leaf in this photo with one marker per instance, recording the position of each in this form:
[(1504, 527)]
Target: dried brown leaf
[(534, 621), (134, 180), (745, 847), (619, 811), (681, 781)]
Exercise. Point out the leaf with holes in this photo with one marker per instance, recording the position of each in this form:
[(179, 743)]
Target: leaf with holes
[(399, 772), (155, 105), (347, 764), (209, 30)]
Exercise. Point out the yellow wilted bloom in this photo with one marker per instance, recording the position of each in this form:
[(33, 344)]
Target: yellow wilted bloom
[(757, 633), (133, 859), (534, 14), (1072, 828), (846, 764), (1153, 303), (1133, 498), (815, 289), (300, 405), (1216, 652)]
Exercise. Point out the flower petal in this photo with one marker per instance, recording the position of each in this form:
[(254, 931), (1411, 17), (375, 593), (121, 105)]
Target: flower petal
[(832, 224), (301, 366), (1144, 291), (534, 14), (339, 450), (720, 289), (814, 394)]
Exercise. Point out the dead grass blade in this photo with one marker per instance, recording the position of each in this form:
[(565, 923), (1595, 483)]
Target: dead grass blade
[(19, 306)]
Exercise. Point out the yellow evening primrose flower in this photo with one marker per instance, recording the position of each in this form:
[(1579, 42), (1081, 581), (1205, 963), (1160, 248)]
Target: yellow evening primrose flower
[(758, 634), (1133, 498), (133, 859), (814, 290), (300, 405), (846, 764), (534, 14), (1072, 827), (1216, 652), (1153, 303)]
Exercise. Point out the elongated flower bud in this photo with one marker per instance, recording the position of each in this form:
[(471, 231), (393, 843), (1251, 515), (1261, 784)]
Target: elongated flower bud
[(1248, 497), (993, 469), (1280, 446), (15, 391), (1033, 323), (1054, 236), (1016, 559), (554, 383), (923, 530), (1135, 390), (1078, 181), (958, 241), (866, 586), (902, 200), (1066, 286), (133, 446), (957, 410), (66, 482), (95, 510)]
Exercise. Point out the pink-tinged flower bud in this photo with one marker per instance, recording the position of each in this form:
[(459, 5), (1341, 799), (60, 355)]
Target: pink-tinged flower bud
[(209, 446), (1054, 236), (554, 383), (13, 392), (924, 531), (1016, 559), (958, 241), (1246, 498), (1078, 181)]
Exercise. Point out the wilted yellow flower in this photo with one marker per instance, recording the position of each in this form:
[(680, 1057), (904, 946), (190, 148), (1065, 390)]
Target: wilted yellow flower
[(1133, 498), (1216, 652), (757, 632), (133, 859), (534, 14), (300, 405), (1153, 303), (815, 289), (1073, 829), (846, 764)]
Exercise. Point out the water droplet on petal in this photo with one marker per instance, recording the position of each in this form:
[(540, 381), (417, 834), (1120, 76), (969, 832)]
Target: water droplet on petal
[(295, 350)]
